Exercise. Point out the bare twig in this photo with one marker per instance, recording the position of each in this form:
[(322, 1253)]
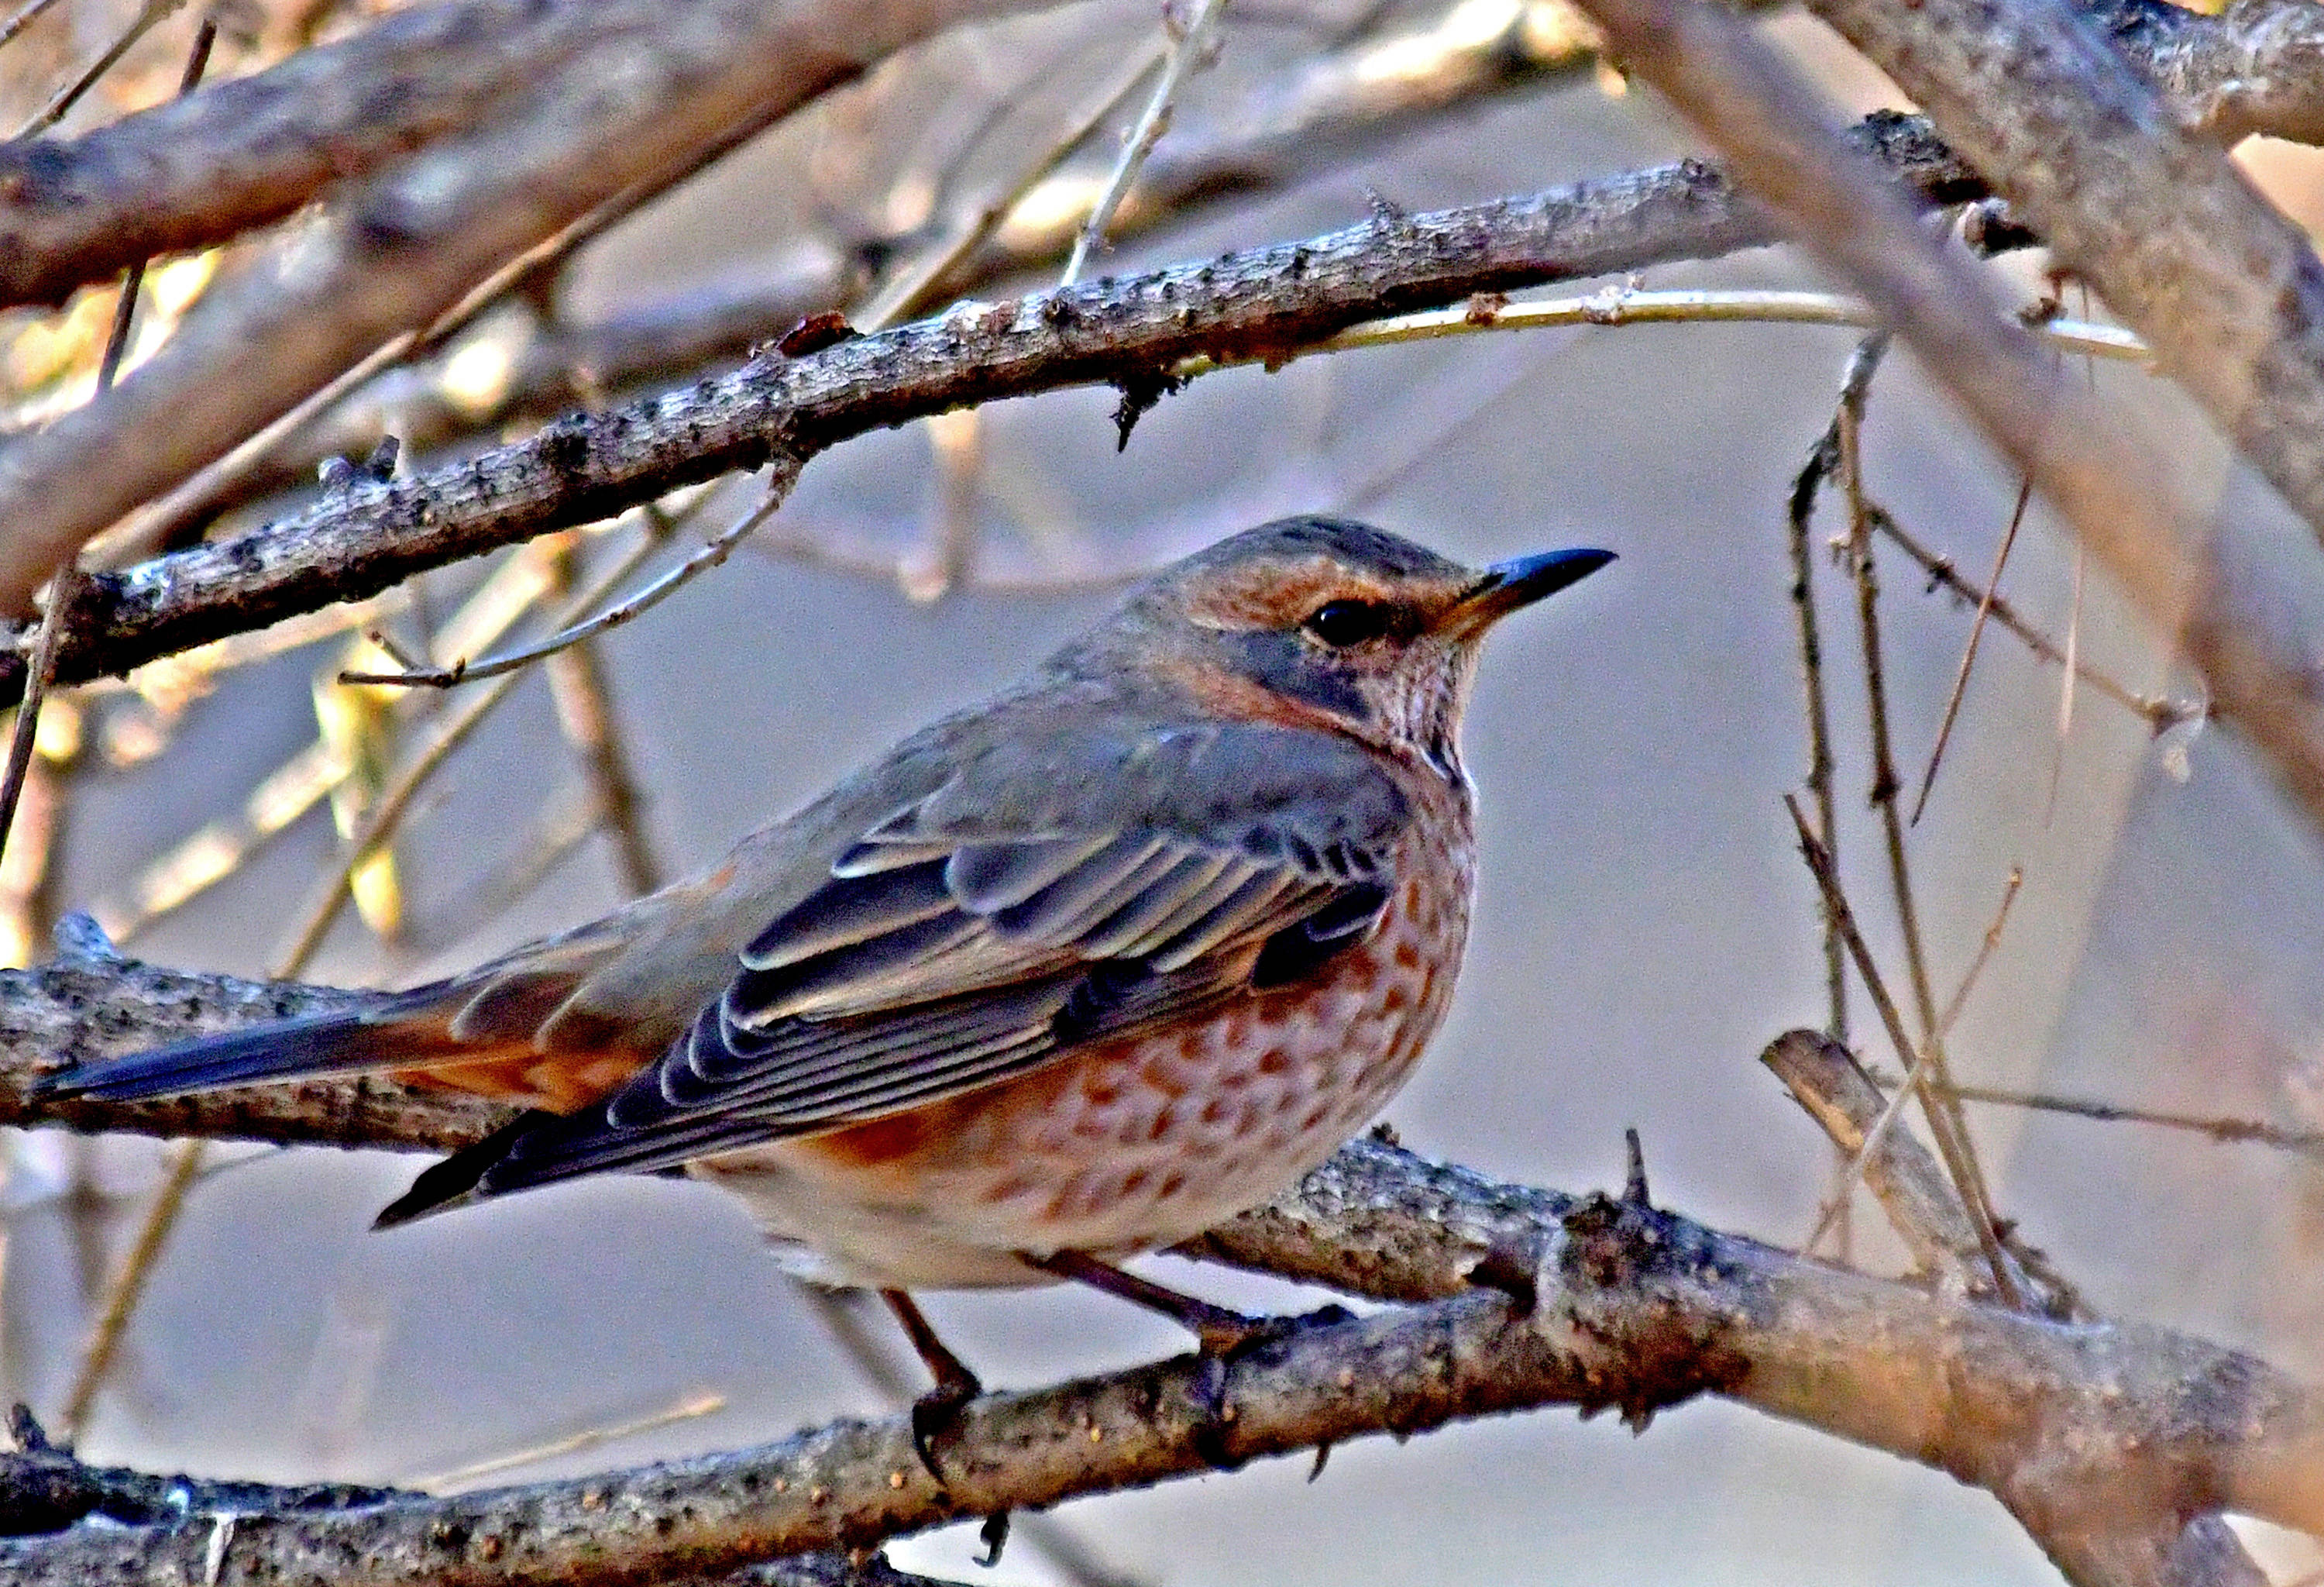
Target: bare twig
[(626, 116), (2227, 1131), (1956, 1143), (65, 586), (1863, 1157), (1985, 600), (714, 554), (2109, 486), (1828, 881), (128, 1286), (2133, 200), (450, 731), (1985, 949), (149, 15), (1189, 50), (908, 287), (700, 1403), (2158, 713)]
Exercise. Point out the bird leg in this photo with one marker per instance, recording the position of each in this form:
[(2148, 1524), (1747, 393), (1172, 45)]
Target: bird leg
[(936, 1414), (1223, 1336), (1220, 1332)]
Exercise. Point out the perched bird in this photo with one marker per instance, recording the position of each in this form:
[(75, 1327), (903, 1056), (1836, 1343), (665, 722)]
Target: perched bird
[(1074, 974)]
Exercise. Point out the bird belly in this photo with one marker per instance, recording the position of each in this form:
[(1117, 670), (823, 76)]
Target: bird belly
[(1124, 1146)]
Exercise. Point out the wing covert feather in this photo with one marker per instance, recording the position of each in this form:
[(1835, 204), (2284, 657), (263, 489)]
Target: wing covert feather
[(1045, 895)]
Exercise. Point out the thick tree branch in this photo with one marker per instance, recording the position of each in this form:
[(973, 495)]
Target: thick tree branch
[(623, 118), (203, 168), (1128, 331), (2107, 479), (2224, 288), (1320, 114)]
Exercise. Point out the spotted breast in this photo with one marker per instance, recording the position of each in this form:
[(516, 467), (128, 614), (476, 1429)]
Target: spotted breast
[(1136, 1144)]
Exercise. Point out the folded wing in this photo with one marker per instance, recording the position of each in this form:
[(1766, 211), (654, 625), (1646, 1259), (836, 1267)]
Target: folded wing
[(1078, 894)]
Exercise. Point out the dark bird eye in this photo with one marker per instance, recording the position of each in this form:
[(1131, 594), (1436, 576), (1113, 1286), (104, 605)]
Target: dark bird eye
[(1341, 623)]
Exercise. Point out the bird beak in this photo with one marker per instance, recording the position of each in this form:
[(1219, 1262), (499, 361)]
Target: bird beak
[(1520, 582)]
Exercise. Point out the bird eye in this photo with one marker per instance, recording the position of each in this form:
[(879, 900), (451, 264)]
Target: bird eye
[(1341, 623)]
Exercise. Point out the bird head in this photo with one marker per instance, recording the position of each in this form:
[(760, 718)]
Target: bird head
[(1324, 622)]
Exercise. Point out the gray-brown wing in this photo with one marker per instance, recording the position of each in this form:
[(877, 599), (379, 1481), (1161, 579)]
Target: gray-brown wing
[(1145, 877)]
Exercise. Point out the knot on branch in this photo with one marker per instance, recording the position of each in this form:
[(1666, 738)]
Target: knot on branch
[(1622, 1264), (1141, 391)]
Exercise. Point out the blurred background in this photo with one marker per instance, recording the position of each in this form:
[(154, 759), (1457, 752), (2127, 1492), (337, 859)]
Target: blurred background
[(1645, 924)]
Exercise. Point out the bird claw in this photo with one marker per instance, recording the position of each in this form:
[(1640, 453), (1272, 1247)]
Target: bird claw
[(936, 1418), (1225, 1338)]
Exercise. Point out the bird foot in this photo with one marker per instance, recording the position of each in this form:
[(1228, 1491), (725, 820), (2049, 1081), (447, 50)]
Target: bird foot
[(1225, 1337), (936, 1419)]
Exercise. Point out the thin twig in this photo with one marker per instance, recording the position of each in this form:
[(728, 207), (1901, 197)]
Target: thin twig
[(128, 1287), (2225, 1130), (452, 730), (585, 714), (1985, 603), (2158, 713), (1848, 431), (149, 17), (1854, 1165), (711, 555), (1187, 54), (702, 1403), (1828, 878), (54, 619), (1960, 999), (24, 16), (66, 585), (905, 291)]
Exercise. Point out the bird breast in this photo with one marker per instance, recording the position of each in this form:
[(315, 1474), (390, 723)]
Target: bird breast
[(1136, 1143)]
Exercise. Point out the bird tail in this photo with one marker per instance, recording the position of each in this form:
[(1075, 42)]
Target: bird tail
[(347, 1042)]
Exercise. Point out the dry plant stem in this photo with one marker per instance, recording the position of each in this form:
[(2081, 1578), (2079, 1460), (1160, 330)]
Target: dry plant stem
[(396, 254), (66, 585), (128, 1285), (24, 735), (1828, 881), (1921, 1202), (585, 714), (909, 288), (1187, 53), (2077, 1428), (1819, 712), (128, 1288), (1861, 1157), (1984, 951), (2228, 1132), (2146, 209), (1985, 602), (452, 729)]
